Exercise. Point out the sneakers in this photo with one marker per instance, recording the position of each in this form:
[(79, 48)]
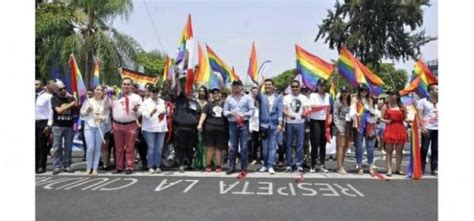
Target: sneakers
[(262, 169), (312, 169), (117, 172), (69, 170), (230, 171), (323, 169), (128, 171), (300, 169), (40, 170), (151, 171), (56, 171), (94, 173), (288, 169), (271, 170), (181, 169), (434, 173), (254, 162), (158, 170), (218, 169), (87, 173)]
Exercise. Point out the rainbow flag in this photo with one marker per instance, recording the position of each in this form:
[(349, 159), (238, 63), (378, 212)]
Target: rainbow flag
[(78, 87), (234, 75), (412, 86), (168, 69), (205, 76), (357, 74), (414, 167), (252, 71), (184, 40), (426, 78), (332, 91), (311, 67), (363, 114), (218, 65), (139, 78), (95, 78)]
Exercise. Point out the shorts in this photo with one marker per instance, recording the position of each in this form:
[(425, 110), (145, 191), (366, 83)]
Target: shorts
[(215, 138)]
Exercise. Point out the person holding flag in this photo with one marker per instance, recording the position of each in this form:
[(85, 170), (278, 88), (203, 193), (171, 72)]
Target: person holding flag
[(95, 112), (428, 113), (395, 134), (63, 122)]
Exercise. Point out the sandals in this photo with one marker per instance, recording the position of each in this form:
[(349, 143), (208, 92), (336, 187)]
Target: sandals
[(399, 172), (218, 169), (208, 169)]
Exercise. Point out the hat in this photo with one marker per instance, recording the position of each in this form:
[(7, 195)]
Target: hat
[(363, 86), (344, 89), (216, 89), (321, 81), (59, 84), (237, 82)]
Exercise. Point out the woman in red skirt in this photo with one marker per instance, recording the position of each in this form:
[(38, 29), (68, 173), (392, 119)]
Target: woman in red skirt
[(395, 134)]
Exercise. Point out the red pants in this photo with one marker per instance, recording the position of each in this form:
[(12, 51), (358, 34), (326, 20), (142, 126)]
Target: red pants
[(124, 137)]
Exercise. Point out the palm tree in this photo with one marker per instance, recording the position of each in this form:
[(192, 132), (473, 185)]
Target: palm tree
[(83, 27)]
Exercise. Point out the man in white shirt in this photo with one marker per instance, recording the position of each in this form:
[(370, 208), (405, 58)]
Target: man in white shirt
[(43, 123), (124, 114), (318, 125), (294, 105), (428, 114)]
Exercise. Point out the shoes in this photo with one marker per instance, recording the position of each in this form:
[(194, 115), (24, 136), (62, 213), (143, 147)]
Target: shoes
[(208, 169), (399, 172), (87, 173), (323, 169), (342, 171), (262, 169), (40, 171), (230, 171), (300, 169), (128, 171), (94, 173), (56, 171), (288, 169), (254, 162), (389, 174), (361, 171), (434, 173), (69, 170), (218, 169), (117, 172), (271, 170), (312, 169), (158, 170), (151, 171), (371, 172), (242, 174), (181, 169)]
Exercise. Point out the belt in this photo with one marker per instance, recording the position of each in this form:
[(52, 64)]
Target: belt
[(123, 123)]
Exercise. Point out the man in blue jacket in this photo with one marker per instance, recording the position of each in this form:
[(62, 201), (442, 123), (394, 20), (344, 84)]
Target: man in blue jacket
[(271, 122)]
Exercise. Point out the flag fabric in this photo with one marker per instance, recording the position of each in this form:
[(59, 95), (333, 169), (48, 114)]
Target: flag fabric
[(218, 65), (411, 87), (205, 76), (362, 117), (358, 74), (95, 74), (184, 40), (78, 87), (234, 74), (139, 78), (168, 69), (332, 91), (422, 77), (414, 167), (311, 67), (252, 70)]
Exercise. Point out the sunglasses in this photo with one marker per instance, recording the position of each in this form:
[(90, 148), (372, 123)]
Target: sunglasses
[(62, 89)]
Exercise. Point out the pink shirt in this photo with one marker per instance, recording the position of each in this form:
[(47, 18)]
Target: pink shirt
[(119, 112)]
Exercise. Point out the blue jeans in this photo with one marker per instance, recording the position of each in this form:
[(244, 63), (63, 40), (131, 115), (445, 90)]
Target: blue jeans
[(94, 145), (297, 131), (58, 134), (269, 147), (154, 141), (369, 143), (237, 134)]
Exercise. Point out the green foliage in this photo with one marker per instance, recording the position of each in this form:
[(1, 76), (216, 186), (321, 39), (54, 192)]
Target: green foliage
[(373, 30), (284, 79), (153, 62)]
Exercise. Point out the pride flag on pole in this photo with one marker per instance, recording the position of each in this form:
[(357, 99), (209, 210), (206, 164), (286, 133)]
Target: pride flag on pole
[(140, 78), (78, 87), (95, 77), (252, 71), (218, 65), (311, 67)]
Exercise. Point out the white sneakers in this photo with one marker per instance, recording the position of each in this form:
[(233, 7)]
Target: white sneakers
[(151, 171), (271, 170), (323, 169), (262, 169)]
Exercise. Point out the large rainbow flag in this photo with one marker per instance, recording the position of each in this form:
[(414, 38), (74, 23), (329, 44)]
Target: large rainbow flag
[(218, 65), (421, 78), (185, 40), (168, 69), (252, 71), (139, 78), (95, 77), (78, 87), (357, 74), (311, 67), (414, 167)]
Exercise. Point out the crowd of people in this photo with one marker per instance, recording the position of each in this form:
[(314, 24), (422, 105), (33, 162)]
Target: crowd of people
[(206, 129)]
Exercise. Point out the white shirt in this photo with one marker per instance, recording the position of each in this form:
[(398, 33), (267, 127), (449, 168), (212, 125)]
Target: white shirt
[(119, 112), (316, 99), (100, 110), (429, 114), (295, 105), (43, 108), (151, 123), (254, 121)]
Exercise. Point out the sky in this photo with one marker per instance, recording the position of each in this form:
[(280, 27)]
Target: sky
[(229, 28)]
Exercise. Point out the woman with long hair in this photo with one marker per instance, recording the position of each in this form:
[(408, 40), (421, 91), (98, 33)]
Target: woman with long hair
[(363, 99), (395, 134), (95, 111), (343, 126)]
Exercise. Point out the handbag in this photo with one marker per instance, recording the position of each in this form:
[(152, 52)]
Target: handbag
[(370, 131)]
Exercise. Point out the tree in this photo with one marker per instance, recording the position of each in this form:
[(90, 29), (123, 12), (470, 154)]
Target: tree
[(153, 62), (284, 79), (373, 30), (81, 27)]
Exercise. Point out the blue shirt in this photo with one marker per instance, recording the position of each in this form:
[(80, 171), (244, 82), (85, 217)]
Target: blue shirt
[(242, 104)]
